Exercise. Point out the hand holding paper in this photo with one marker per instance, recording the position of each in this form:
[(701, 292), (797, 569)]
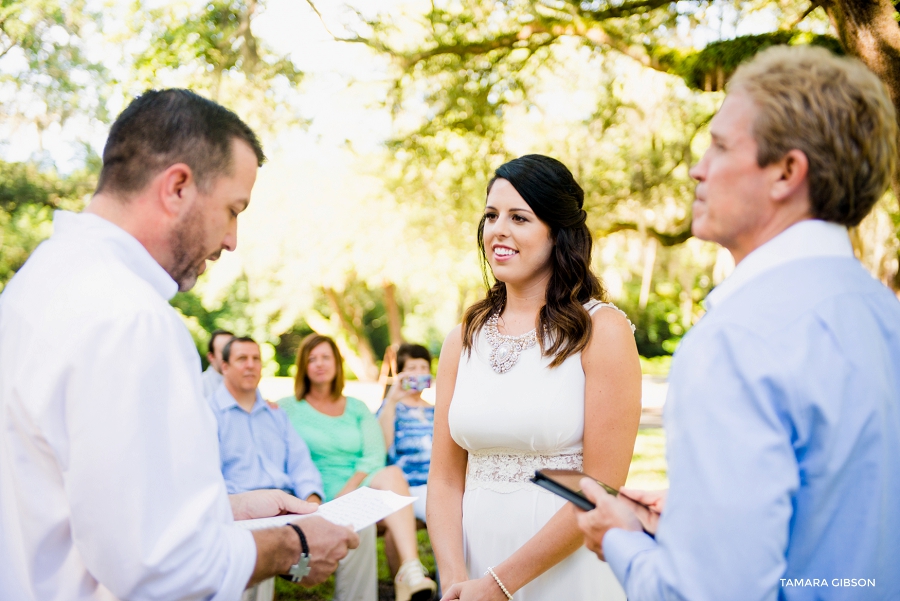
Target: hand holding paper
[(358, 509), (265, 503)]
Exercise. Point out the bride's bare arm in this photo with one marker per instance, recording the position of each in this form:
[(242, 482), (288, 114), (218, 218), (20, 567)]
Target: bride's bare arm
[(447, 476), (612, 413), (612, 397)]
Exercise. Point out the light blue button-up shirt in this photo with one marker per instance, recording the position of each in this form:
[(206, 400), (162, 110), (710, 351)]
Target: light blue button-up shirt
[(261, 449), (783, 439)]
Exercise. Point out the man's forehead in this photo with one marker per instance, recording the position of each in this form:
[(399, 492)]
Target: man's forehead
[(735, 116), (244, 346)]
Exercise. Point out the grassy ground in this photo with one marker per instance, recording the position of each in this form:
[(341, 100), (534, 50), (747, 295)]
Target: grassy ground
[(648, 464), (648, 470)]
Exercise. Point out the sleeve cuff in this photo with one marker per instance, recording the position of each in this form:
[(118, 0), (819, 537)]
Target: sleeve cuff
[(620, 547), (309, 490), (243, 561)]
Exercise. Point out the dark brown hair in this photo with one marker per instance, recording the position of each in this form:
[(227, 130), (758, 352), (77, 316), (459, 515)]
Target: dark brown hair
[(163, 127), (409, 351), (212, 339), (301, 380), (226, 350), (551, 191)]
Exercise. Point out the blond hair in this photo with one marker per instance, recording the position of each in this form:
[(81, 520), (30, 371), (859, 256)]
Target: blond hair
[(301, 379), (835, 111)]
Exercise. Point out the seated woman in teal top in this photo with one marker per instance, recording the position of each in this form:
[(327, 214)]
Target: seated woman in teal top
[(346, 444)]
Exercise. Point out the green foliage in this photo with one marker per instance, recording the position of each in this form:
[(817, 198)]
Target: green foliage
[(471, 83), (230, 314), (213, 51), (648, 468), (60, 80), (656, 366), (474, 58), (709, 68), (657, 330), (286, 349), (218, 39), (28, 197)]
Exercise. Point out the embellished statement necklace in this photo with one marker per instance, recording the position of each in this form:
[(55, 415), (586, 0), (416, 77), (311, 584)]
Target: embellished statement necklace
[(505, 350)]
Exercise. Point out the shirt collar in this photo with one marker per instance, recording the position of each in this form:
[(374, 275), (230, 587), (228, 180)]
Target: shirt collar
[(224, 400), (131, 252), (803, 240)]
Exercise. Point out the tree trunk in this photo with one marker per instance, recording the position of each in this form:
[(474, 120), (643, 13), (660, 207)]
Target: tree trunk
[(868, 30), (367, 369), (249, 51), (647, 276), (395, 322)]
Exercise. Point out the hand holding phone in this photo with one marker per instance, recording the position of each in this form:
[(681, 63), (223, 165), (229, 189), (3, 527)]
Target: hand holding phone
[(567, 484)]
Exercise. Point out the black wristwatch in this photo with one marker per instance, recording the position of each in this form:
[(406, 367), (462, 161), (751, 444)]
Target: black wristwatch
[(300, 569)]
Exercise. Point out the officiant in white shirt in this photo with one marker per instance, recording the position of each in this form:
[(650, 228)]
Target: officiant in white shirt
[(110, 484)]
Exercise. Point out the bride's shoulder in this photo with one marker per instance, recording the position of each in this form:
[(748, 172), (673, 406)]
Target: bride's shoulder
[(453, 343), (607, 314)]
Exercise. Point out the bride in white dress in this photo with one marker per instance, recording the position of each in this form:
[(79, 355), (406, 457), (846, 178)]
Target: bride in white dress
[(510, 402)]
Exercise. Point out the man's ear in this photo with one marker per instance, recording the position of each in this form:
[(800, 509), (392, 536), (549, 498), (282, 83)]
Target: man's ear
[(210, 357), (178, 188), (790, 174)]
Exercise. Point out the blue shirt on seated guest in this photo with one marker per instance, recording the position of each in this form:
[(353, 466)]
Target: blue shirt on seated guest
[(258, 446)]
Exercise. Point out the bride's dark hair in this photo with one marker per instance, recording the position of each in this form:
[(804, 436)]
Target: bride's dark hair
[(556, 198)]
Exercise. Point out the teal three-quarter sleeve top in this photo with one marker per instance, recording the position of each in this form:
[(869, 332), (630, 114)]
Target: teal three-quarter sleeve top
[(340, 446)]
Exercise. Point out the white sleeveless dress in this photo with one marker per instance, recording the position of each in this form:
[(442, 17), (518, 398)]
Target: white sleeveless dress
[(511, 424)]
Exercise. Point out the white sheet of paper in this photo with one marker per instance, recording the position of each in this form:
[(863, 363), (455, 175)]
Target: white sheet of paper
[(360, 508)]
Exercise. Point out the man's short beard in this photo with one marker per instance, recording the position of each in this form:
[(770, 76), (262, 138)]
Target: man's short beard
[(188, 253)]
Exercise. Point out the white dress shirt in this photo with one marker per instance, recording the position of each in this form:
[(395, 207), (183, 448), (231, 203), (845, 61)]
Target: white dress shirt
[(110, 484)]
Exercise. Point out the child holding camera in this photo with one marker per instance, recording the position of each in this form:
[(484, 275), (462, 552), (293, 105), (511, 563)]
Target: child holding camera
[(407, 421)]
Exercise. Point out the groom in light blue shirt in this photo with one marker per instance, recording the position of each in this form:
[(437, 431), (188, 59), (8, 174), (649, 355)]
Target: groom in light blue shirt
[(783, 415)]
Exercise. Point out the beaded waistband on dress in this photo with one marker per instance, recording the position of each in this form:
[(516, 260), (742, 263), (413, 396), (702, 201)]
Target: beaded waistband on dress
[(508, 470)]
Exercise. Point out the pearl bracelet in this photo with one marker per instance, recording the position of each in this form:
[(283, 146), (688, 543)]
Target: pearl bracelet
[(490, 571)]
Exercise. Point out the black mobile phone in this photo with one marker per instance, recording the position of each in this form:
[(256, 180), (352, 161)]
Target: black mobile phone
[(567, 484)]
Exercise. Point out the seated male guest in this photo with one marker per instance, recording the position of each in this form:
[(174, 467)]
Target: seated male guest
[(260, 449), (258, 446)]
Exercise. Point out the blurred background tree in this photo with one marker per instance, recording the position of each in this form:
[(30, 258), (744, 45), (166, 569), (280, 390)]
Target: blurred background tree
[(638, 94), (48, 79), (384, 121)]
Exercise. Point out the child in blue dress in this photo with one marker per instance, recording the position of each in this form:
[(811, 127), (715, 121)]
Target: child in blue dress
[(407, 421)]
